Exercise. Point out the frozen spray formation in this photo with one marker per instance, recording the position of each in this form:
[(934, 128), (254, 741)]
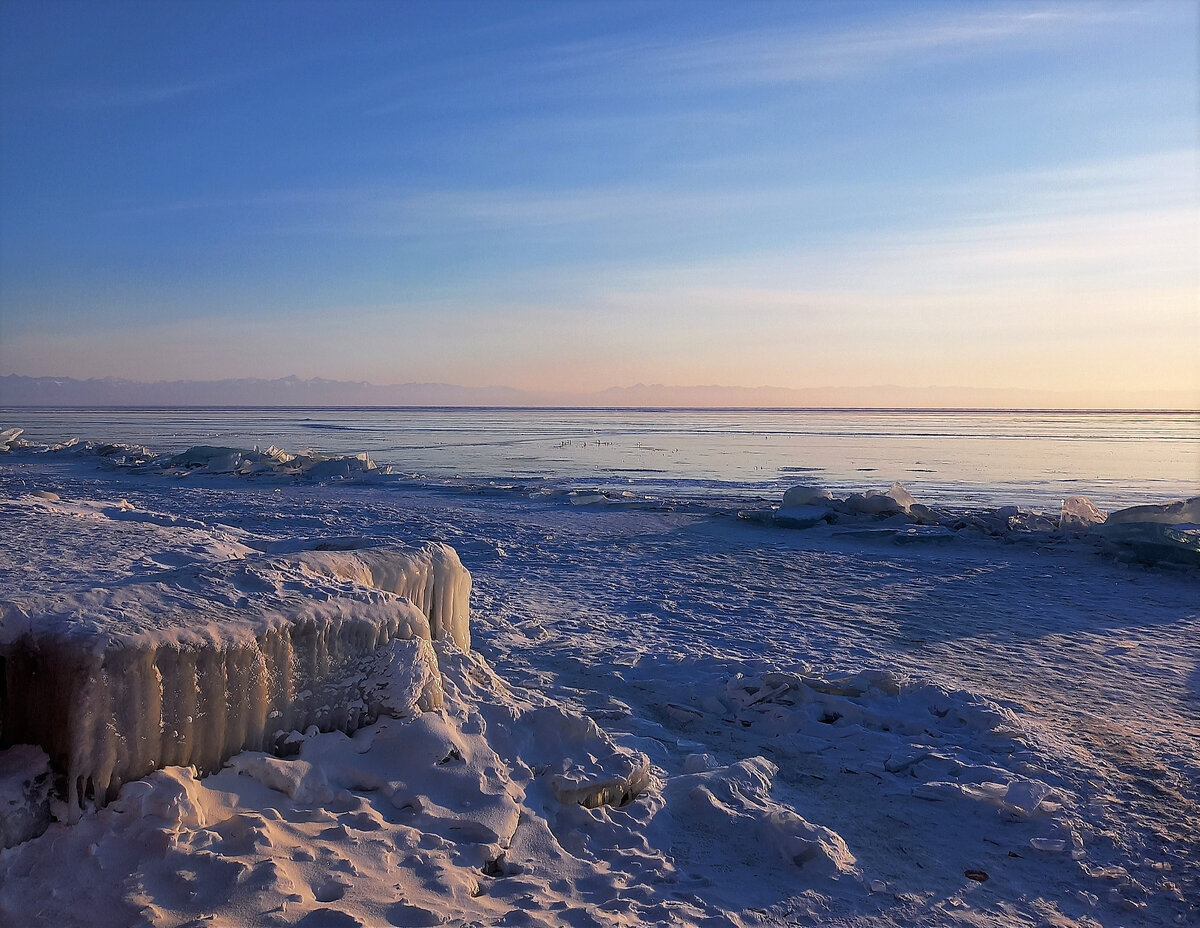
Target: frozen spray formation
[(201, 663), (431, 578)]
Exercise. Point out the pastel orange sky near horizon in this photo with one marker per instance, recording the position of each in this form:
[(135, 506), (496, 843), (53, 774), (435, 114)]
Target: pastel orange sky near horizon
[(578, 197)]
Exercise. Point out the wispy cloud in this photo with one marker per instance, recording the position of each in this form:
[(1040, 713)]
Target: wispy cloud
[(797, 53), (1158, 182), (111, 96)]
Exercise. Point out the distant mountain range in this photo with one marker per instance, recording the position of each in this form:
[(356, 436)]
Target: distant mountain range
[(16, 390)]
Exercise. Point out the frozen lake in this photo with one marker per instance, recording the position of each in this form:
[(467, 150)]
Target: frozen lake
[(958, 458)]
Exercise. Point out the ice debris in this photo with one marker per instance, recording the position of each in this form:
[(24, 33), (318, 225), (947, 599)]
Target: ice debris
[(8, 437), (1153, 534), (211, 459)]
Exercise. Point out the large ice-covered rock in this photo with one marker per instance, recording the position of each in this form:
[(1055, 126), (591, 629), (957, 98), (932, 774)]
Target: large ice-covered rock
[(201, 663)]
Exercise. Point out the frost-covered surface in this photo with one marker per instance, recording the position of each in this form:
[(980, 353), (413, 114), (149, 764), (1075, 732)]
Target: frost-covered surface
[(191, 665), (838, 725)]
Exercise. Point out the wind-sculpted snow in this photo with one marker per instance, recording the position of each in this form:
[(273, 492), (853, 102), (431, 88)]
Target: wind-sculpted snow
[(204, 662)]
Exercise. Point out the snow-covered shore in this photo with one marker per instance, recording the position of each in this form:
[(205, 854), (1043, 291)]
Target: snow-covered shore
[(840, 728)]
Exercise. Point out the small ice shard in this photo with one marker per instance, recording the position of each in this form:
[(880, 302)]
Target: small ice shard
[(736, 801), (1026, 795), (923, 533), (592, 771), (25, 780), (1078, 514), (209, 458), (1030, 522), (806, 496), (338, 468), (758, 516), (902, 497), (1051, 845)]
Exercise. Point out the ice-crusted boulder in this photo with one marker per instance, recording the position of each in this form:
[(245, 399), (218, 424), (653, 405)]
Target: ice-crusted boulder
[(198, 664)]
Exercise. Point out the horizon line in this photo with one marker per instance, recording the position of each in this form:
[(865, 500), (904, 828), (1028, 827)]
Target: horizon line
[(1108, 410)]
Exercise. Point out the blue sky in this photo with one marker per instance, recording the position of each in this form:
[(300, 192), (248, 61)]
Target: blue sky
[(573, 195)]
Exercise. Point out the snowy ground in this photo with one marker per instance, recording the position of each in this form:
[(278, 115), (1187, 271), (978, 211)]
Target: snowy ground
[(840, 728)]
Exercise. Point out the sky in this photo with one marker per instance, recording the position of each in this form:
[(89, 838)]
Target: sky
[(573, 196)]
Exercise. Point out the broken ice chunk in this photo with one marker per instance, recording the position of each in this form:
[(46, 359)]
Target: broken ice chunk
[(1078, 514), (1026, 795), (1180, 511), (806, 496), (802, 516), (902, 497)]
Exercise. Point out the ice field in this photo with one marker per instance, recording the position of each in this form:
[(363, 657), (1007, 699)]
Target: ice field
[(657, 716)]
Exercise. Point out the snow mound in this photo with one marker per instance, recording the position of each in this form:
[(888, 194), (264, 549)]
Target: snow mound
[(735, 803)]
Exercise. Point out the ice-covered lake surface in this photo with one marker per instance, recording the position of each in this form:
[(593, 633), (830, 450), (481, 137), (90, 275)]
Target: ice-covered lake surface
[(975, 457), (842, 730)]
